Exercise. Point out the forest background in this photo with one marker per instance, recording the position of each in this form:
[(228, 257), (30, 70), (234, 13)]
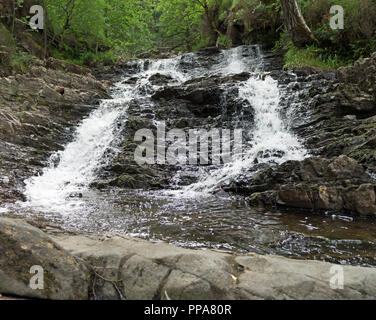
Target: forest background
[(104, 32)]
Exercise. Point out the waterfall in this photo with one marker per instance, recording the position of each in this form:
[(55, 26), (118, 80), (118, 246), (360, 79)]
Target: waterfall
[(272, 141), (60, 187), (192, 210), (93, 148)]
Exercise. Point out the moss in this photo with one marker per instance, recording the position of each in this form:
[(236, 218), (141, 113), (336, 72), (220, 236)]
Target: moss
[(311, 57), (126, 181), (365, 156)]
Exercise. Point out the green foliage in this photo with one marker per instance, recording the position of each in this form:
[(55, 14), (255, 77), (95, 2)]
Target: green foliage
[(224, 42), (178, 23), (84, 28), (314, 57), (129, 24), (335, 48), (93, 32), (357, 40)]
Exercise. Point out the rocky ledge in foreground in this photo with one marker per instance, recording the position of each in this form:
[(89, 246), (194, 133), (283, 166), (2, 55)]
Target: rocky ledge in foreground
[(82, 266)]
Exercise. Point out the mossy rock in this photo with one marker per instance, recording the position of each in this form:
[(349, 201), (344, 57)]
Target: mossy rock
[(22, 247)]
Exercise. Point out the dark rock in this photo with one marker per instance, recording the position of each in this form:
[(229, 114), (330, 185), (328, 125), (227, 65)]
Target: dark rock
[(159, 79), (38, 112), (340, 184), (200, 96), (60, 90)]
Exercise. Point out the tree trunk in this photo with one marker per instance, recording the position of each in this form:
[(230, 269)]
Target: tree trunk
[(45, 29), (300, 33), (213, 25), (14, 16)]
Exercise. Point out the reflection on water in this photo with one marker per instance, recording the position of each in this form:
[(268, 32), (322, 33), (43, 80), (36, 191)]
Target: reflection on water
[(223, 223)]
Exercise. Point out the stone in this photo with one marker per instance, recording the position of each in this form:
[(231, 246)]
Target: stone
[(142, 278), (60, 90), (339, 184), (159, 79), (22, 247), (295, 196), (362, 200), (273, 277), (38, 112), (163, 271), (114, 267)]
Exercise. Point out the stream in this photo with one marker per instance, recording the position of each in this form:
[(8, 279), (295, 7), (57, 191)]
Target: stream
[(197, 214)]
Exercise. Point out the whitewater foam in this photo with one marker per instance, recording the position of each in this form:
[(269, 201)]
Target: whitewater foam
[(59, 188), (272, 141)]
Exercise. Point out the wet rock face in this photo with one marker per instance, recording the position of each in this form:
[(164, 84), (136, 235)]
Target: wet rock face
[(339, 184), (199, 103), (38, 114), (333, 114), (203, 97), (338, 115), (114, 267)]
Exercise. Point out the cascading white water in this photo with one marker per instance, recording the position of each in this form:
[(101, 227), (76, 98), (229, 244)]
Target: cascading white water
[(235, 62), (81, 160), (272, 141), (169, 67)]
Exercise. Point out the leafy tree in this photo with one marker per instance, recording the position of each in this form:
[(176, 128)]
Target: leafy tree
[(179, 22)]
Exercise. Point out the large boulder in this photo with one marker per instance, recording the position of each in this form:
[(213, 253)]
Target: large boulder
[(22, 247), (129, 268), (363, 73), (339, 184), (360, 84), (114, 267)]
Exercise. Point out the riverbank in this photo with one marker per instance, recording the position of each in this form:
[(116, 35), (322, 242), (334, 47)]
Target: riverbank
[(112, 266)]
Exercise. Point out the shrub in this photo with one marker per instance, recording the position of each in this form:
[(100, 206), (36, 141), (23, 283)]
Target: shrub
[(358, 39)]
